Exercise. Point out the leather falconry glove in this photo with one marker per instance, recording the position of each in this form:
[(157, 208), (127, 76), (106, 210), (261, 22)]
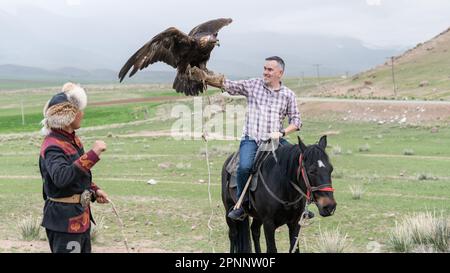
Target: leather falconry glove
[(216, 80)]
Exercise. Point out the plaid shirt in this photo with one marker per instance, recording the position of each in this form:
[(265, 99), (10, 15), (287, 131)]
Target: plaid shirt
[(266, 109)]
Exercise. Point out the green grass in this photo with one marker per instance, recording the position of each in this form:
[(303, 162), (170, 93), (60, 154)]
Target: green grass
[(173, 214), (24, 84), (34, 100), (98, 115)]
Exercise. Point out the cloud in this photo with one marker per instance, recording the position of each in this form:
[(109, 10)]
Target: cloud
[(113, 29), (73, 2), (376, 23)]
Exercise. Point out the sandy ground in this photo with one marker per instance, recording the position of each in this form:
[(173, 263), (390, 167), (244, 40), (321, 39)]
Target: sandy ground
[(124, 101), (380, 112), (43, 247)]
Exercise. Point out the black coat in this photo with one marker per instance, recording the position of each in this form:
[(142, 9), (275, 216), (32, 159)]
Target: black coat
[(65, 171)]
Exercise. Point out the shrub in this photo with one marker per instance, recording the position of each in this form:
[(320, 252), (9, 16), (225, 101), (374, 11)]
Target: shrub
[(421, 232), (332, 242), (337, 150), (96, 230), (423, 176), (357, 191), (29, 228), (364, 148)]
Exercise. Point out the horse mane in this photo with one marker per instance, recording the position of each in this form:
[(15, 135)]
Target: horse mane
[(288, 156), (314, 153)]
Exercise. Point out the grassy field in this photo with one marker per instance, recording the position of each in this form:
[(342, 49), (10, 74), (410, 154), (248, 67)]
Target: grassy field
[(173, 215), (24, 84)]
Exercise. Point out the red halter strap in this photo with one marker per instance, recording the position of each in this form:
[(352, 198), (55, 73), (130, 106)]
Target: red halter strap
[(309, 190)]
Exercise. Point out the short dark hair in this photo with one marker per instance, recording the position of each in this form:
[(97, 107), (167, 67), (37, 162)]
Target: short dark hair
[(278, 60)]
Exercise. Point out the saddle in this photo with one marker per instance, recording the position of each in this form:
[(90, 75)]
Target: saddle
[(263, 152)]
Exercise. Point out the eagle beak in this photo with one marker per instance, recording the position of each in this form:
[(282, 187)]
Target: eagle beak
[(217, 43)]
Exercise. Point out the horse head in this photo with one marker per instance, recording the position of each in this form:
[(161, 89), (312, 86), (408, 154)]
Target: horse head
[(315, 170)]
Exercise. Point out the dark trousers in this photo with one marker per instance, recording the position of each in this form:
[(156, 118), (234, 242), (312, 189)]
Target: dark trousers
[(61, 242)]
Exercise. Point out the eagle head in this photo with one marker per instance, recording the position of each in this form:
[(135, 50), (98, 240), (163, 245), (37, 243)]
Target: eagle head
[(209, 40)]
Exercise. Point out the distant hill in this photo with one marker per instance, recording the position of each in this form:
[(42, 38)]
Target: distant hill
[(17, 72), (421, 72)]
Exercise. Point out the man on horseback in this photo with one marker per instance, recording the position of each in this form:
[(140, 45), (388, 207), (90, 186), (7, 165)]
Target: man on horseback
[(269, 102)]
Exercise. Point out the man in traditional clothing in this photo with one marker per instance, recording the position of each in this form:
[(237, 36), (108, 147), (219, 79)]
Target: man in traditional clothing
[(66, 173)]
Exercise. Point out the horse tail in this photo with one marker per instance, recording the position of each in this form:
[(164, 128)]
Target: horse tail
[(238, 231), (239, 234)]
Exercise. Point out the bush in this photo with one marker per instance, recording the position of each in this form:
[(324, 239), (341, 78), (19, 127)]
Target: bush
[(337, 174), (421, 232), (400, 239), (96, 230), (423, 176), (408, 152), (364, 148), (332, 242), (29, 228), (337, 150), (357, 191)]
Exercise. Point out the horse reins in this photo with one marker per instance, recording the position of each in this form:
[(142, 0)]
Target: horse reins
[(309, 189)]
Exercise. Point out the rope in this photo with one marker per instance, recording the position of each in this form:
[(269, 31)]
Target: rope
[(300, 223), (204, 136), (209, 192), (283, 202), (121, 224)]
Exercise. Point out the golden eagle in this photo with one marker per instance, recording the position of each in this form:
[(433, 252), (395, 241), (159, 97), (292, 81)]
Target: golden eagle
[(181, 51)]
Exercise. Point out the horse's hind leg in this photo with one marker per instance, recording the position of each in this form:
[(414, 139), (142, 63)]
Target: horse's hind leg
[(294, 230), (232, 235), (256, 232), (269, 232)]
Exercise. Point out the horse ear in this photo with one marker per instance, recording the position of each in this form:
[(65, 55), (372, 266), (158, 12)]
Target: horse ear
[(301, 144), (323, 142)]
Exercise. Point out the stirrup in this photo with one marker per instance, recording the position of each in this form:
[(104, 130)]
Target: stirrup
[(240, 217)]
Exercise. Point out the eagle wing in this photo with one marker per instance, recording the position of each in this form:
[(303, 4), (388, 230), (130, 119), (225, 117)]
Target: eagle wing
[(168, 47), (212, 26)]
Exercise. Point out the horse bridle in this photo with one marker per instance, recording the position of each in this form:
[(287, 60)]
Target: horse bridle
[(309, 189)]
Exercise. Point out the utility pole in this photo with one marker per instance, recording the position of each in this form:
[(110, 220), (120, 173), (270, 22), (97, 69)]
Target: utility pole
[(318, 72), (393, 76)]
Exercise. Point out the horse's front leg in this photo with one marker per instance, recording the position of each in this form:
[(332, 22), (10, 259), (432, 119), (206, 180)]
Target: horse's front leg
[(256, 232), (294, 231), (269, 233)]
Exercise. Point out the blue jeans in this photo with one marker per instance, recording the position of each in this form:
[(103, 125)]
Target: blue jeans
[(247, 153)]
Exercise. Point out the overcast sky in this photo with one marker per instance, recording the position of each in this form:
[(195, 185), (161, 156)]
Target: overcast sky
[(104, 33), (378, 23)]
